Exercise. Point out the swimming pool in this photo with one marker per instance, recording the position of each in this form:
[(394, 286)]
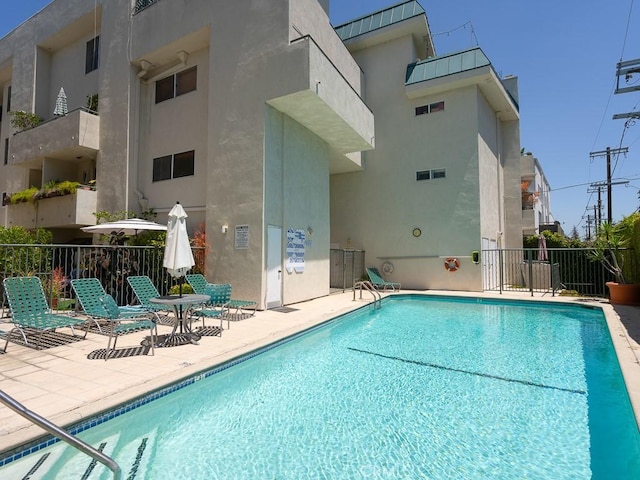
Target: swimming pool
[(422, 388)]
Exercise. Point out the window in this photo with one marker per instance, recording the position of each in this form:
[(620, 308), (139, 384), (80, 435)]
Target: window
[(183, 164), (436, 107), (6, 151), (175, 85), (164, 89), (186, 81), (431, 174), (9, 99), (93, 55), (174, 166), (431, 108)]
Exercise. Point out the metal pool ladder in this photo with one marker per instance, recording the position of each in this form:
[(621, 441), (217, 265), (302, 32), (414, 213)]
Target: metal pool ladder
[(61, 434), (366, 285)]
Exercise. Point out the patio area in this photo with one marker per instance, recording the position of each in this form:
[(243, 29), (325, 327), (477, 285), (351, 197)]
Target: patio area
[(69, 382)]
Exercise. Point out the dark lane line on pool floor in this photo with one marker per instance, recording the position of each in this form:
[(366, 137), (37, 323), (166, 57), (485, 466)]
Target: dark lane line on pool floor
[(479, 374)]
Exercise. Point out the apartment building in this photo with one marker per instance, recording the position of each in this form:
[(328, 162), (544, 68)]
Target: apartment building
[(536, 198), (443, 180), (258, 116)]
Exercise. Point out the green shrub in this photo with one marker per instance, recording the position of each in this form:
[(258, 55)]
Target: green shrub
[(27, 195), (22, 120), (186, 289)]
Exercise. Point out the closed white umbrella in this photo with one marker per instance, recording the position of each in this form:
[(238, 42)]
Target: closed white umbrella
[(178, 258), (542, 248), (61, 103)]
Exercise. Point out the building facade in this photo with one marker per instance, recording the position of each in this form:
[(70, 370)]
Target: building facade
[(258, 116), (536, 198), (443, 179)]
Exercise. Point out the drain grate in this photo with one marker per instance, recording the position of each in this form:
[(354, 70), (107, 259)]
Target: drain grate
[(284, 309)]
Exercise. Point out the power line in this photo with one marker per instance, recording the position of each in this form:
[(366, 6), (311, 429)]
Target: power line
[(626, 32)]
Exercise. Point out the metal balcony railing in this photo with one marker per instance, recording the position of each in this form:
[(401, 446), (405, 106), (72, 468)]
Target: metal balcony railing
[(142, 4)]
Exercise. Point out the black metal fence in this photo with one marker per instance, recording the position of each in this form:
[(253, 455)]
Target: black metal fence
[(569, 271), (57, 265)]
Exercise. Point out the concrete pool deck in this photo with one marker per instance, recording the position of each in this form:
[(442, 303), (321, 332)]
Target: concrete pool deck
[(62, 384)]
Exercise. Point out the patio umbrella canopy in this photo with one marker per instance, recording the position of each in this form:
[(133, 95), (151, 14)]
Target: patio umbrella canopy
[(130, 226), (61, 103), (178, 258)]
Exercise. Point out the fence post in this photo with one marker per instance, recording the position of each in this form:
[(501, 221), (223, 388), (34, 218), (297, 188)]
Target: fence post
[(530, 262), (500, 266)]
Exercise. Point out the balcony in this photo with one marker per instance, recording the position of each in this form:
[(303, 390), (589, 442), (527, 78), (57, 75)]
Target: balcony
[(322, 100), (67, 138), (69, 211)]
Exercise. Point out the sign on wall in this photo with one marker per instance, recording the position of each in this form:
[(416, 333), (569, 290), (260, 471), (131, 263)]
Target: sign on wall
[(242, 237), (295, 250)]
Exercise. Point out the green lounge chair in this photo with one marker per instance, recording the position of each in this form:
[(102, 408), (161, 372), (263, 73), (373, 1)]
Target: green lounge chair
[(380, 283), (30, 311), (144, 289), (199, 284), (218, 305), (111, 319)]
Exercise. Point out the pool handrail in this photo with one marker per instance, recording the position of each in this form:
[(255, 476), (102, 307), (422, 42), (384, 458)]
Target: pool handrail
[(366, 285), (56, 431)]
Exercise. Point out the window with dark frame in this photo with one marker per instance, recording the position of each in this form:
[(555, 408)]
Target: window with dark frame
[(162, 168), (431, 108), (424, 175), (183, 164), (164, 89), (9, 98), (436, 107), (6, 151), (186, 81), (431, 174), (178, 84), (93, 55), (174, 166)]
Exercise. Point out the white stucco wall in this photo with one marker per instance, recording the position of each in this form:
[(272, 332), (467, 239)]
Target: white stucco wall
[(377, 209), (490, 170), (170, 127), (297, 197)]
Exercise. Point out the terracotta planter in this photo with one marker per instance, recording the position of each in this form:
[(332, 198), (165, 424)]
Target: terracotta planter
[(624, 293)]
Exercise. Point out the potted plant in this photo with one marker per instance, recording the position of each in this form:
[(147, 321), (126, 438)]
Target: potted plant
[(56, 285), (612, 248), (22, 120)]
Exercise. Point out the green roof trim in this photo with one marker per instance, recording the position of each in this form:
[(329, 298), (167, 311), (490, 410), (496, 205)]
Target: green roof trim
[(444, 65), (388, 16)]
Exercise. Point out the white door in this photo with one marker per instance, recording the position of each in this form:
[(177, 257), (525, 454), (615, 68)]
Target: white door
[(274, 266)]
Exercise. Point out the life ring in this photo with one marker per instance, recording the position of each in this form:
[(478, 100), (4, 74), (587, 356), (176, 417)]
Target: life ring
[(451, 264), (387, 268)]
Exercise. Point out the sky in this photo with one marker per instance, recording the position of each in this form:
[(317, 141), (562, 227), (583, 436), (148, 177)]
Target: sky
[(564, 54)]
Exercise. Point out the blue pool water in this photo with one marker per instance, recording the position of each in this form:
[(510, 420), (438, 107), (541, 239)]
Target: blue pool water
[(422, 388)]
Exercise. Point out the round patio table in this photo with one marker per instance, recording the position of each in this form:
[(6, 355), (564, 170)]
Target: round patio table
[(181, 305)]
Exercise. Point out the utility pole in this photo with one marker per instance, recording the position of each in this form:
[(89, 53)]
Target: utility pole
[(588, 227), (607, 153)]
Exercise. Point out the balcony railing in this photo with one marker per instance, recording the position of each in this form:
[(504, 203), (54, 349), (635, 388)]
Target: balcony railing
[(142, 4)]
